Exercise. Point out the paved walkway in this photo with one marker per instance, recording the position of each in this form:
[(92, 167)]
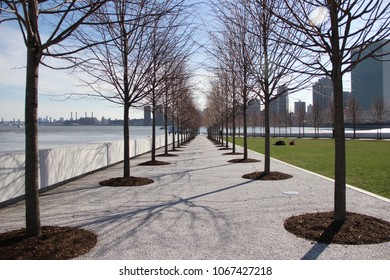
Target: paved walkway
[(200, 208)]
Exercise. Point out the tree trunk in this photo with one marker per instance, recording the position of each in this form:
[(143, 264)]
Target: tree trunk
[(126, 140), (227, 133), (126, 107), (245, 100), (33, 223), (173, 135), (221, 134), (166, 121), (153, 153), (234, 126), (340, 162), (178, 134), (245, 135), (34, 54), (267, 147)]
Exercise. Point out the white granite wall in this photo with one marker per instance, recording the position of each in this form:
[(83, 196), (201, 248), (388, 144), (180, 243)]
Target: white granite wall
[(60, 164)]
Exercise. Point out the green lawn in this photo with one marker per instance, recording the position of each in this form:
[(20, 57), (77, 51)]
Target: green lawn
[(368, 162)]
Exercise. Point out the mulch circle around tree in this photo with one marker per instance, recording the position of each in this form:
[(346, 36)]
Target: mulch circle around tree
[(240, 160), (167, 155), (55, 243), (356, 230), (154, 163), (126, 182), (271, 176), (232, 154), (224, 149)]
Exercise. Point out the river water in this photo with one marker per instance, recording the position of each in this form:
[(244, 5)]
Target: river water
[(12, 137)]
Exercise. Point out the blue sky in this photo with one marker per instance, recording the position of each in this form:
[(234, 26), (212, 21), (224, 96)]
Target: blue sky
[(51, 83)]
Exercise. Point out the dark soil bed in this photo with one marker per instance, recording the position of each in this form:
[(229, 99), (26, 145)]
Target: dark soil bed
[(273, 175), (232, 154), (55, 243), (167, 155), (224, 149), (154, 163), (126, 182), (357, 228), (240, 160)]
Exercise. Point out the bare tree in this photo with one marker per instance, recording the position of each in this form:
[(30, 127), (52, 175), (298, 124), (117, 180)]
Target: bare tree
[(171, 44), (221, 99), (330, 115), (236, 26), (119, 70), (316, 118), (172, 83), (178, 86), (341, 34), (216, 107), (62, 18), (300, 119), (379, 112), (187, 115), (353, 113), (224, 53), (190, 116), (275, 63)]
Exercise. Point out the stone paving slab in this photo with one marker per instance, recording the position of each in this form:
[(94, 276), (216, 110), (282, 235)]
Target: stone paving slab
[(200, 208)]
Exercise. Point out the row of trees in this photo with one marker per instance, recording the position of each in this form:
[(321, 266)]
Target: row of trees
[(125, 51), (282, 124), (354, 115), (143, 58), (253, 62), (264, 44)]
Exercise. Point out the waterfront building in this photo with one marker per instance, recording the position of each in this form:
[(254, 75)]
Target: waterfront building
[(280, 106), (300, 108), (371, 78), (322, 94), (309, 109)]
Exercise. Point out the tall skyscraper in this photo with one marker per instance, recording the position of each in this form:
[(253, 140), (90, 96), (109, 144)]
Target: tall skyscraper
[(371, 78), (300, 108), (280, 106), (322, 94)]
